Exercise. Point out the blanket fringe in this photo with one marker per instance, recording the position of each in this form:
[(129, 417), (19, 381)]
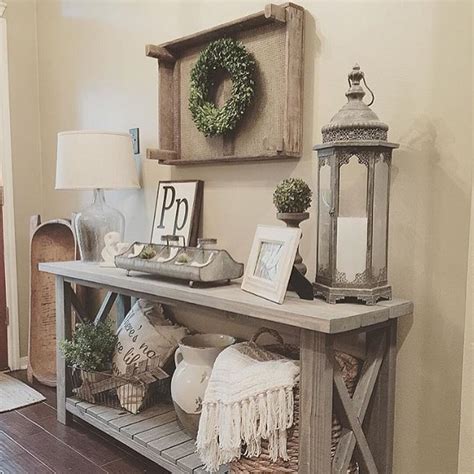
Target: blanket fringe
[(224, 427)]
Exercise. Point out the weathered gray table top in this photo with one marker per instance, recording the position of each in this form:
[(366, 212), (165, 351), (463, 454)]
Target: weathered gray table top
[(315, 315)]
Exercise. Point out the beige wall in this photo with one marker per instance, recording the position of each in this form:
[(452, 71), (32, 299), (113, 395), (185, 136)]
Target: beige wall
[(417, 57), (466, 442), (26, 150)]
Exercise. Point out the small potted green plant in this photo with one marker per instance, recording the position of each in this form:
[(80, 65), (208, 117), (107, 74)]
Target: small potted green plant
[(89, 356), (292, 199), (91, 347), (89, 353)]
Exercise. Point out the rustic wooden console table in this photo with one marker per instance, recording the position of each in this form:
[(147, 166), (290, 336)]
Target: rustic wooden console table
[(367, 417)]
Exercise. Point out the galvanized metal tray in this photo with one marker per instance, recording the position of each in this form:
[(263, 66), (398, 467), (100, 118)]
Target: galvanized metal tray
[(194, 264)]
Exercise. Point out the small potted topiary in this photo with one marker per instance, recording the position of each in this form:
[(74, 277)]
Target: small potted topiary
[(292, 198), (89, 353)]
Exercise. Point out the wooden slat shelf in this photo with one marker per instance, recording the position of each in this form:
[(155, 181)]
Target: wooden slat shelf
[(166, 157), (154, 433)]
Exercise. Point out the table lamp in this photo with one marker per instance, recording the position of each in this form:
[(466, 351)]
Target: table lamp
[(96, 160)]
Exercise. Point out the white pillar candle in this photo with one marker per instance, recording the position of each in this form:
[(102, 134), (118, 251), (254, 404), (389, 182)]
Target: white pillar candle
[(351, 245)]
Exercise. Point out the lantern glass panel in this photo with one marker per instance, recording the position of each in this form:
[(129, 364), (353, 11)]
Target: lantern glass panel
[(352, 220), (325, 204), (379, 238)]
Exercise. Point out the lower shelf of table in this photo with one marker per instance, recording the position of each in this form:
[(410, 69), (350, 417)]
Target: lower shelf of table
[(154, 433)]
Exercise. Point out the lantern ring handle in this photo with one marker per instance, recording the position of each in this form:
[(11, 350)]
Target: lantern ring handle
[(371, 93)]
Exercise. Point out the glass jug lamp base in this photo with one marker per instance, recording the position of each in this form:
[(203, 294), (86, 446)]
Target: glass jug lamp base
[(93, 224)]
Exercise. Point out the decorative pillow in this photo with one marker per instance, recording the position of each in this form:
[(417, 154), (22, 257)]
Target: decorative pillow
[(145, 334)]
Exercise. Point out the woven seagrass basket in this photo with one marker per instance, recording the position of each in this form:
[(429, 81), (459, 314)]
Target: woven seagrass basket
[(350, 368)]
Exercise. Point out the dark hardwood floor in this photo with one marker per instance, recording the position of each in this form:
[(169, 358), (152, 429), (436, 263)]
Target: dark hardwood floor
[(33, 442)]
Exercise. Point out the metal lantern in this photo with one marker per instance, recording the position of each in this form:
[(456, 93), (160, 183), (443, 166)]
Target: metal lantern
[(353, 201)]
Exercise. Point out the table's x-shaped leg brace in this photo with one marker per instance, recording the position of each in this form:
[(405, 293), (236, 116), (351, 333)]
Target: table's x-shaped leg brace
[(104, 309), (352, 411)]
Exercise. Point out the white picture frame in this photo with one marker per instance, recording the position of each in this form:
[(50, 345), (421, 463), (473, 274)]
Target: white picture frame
[(177, 211), (271, 261)]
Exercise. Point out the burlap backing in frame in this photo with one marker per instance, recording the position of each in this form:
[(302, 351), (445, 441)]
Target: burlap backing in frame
[(260, 131)]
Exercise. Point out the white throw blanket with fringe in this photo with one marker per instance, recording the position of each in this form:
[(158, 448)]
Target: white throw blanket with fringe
[(246, 401)]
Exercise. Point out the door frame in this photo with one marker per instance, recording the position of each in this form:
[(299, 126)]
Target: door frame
[(6, 164)]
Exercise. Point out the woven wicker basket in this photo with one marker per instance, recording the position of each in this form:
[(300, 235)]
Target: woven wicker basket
[(350, 367)]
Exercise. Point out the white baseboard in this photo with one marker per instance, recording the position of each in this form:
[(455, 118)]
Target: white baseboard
[(23, 363)]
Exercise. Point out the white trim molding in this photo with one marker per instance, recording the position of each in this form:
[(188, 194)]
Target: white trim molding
[(9, 212), (23, 363)]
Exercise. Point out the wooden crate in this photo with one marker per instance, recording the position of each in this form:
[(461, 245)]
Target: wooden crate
[(272, 126)]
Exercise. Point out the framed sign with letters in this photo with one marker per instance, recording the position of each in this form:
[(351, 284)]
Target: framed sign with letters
[(177, 210)]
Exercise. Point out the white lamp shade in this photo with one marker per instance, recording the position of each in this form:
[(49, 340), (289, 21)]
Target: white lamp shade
[(91, 159)]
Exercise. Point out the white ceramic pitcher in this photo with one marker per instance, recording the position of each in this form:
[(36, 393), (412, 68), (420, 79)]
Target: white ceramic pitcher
[(194, 360)]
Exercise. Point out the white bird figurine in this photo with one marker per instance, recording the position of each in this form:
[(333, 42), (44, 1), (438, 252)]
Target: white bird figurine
[(113, 247)]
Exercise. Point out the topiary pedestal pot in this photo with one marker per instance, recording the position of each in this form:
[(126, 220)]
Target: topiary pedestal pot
[(294, 219)]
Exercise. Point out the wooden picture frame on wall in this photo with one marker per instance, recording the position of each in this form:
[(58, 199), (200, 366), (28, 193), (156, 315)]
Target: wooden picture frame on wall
[(178, 211), (272, 127)]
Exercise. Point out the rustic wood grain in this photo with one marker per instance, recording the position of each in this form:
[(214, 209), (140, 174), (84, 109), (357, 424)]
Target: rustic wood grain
[(160, 53), (157, 432), (163, 156), (180, 451), (177, 109), (50, 241), (166, 101), (159, 437), (169, 441), (293, 123), (275, 12), (171, 54), (227, 29), (315, 315), (123, 306), (116, 434), (381, 413), (97, 410), (315, 403), (81, 312), (105, 307), (136, 423), (146, 425), (167, 157), (190, 463), (63, 331), (348, 413), (361, 397)]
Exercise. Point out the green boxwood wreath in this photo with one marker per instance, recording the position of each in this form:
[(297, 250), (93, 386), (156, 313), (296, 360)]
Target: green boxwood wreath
[(231, 56)]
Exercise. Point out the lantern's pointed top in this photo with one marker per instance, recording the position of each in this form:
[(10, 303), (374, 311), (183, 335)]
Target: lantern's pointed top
[(356, 120), (355, 89)]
